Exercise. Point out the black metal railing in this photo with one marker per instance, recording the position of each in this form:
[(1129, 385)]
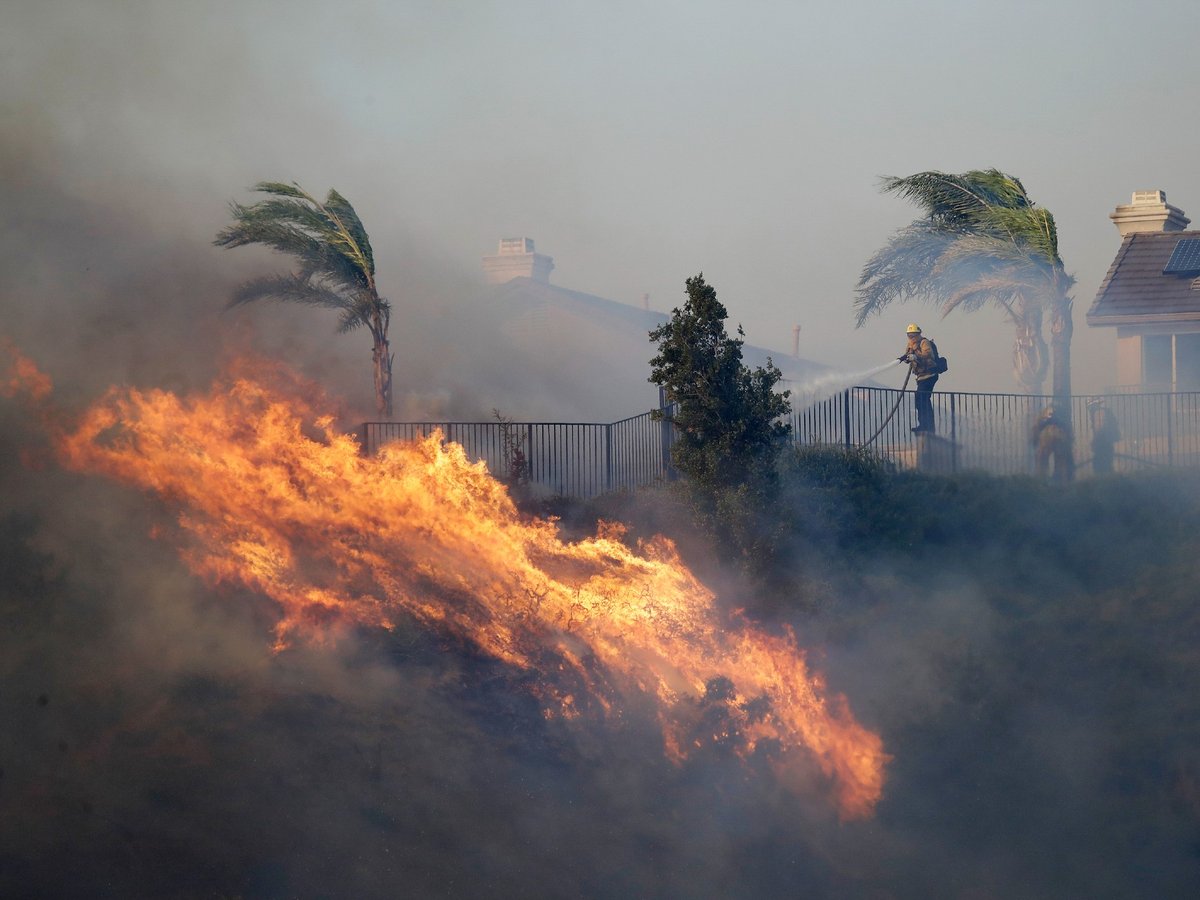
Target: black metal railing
[(573, 459), (992, 432), (988, 432)]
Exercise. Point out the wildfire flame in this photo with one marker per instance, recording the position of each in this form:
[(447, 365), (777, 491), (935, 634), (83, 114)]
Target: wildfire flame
[(336, 539)]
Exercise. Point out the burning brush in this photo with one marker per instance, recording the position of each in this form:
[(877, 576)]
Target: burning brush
[(269, 496)]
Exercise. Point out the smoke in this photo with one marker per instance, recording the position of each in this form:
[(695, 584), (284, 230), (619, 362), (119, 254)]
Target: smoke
[(154, 746), (1037, 713), (131, 129)]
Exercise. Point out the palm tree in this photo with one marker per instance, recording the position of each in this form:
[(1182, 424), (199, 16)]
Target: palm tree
[(982, 241), (337, 267)]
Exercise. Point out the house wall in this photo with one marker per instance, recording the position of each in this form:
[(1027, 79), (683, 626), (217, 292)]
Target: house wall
[(1159, 357), (1129, 358)]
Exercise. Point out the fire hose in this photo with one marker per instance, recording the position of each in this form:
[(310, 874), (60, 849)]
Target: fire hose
[(879, 431)]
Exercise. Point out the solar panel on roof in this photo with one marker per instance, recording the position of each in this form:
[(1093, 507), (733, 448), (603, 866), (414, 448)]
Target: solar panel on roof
[(1185, 258)]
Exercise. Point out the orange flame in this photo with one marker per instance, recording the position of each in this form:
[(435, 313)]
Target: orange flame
[(339, 539)]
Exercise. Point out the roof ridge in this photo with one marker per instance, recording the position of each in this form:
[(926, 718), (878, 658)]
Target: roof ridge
[(1113, 267)]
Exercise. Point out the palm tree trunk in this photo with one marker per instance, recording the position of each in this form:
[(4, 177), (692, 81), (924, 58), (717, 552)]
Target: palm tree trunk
[(1061, 329), (382, 361), (1029, 348)]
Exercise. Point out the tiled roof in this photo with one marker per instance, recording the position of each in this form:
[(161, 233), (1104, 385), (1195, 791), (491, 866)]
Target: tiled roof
[(1136, 292)]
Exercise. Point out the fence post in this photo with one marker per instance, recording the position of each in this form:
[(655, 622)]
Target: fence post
[(846, 415), (664, 435), (1170, 429), (608, 460), (953, 433), (529, 452)]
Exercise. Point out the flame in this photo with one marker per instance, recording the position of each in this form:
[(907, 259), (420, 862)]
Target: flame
[(337, 539)]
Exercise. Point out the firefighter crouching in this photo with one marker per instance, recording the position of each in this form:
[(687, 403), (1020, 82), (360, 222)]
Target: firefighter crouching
[(922, 356)]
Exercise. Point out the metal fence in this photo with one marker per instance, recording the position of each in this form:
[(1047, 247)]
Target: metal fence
[(988, 432), (573, 459), (991, 432)]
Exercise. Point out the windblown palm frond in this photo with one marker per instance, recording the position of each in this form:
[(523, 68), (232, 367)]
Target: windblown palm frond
[(289, 289), (353, 236), (336, 263), (957, 201), (327, 238), (975, 257), (1002, 289), (901, 270), (1029, 227)]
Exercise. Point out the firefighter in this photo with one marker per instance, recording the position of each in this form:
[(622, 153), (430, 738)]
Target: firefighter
[(1051, 439), (1105, 433), (922, 356)]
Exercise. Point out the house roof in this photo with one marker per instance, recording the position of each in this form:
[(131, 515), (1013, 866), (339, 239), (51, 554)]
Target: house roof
[(529, 297), (1136, 292), (523, 295)]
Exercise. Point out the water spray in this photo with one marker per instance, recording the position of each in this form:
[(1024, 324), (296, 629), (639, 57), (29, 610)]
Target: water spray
[(817, 389)]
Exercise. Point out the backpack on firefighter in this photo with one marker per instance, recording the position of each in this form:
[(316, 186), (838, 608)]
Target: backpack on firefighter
[(940, 363)]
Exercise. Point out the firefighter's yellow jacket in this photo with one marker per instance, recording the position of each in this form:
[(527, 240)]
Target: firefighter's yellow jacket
[(923, 358)]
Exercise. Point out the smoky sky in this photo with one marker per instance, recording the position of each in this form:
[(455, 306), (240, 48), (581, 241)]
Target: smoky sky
[(637, 144)]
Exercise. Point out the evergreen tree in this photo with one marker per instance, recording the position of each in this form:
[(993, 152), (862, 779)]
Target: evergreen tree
[(725, 415)]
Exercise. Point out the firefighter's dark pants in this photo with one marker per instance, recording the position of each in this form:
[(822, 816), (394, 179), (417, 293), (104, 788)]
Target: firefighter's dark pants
[(925, 403)]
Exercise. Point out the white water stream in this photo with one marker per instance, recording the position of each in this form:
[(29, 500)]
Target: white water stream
[(817, 389)]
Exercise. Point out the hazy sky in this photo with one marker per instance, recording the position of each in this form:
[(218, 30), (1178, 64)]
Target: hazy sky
[(637, 143)]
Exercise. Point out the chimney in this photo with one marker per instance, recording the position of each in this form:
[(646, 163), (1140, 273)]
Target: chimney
[(515, 258), (1148, 211)]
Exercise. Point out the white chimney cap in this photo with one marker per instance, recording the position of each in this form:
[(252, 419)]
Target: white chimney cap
[(515, 246), (1148, 211), (1148, 198)]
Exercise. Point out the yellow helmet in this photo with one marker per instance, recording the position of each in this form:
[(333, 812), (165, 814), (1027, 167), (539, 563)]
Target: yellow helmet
[(913, 328)]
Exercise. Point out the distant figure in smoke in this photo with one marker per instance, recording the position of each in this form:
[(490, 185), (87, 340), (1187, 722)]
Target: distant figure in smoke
[(922, 356), (1051, 438), (1105, 433)]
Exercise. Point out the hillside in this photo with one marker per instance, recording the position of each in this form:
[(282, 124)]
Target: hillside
[(1027, 654)]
